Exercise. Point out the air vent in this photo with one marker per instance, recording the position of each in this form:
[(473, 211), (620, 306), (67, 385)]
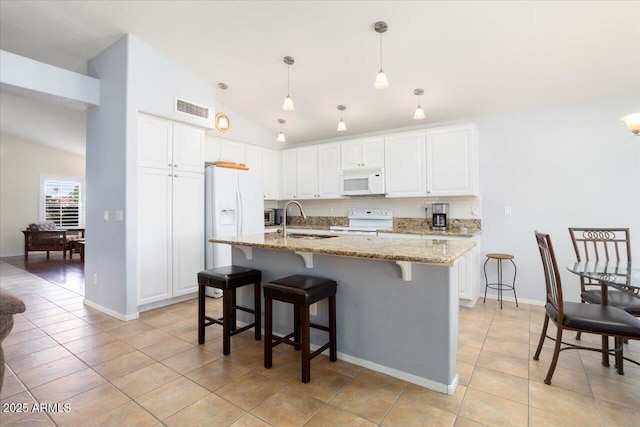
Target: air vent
[(192, 109)]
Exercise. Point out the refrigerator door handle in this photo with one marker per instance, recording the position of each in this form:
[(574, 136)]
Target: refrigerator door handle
[(241, 214)]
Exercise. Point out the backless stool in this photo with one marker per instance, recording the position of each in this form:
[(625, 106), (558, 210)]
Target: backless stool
[(301, 291), (229, 279), (500, 285)]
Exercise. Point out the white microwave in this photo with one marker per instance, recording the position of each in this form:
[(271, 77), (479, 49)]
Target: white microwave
[(361, 182)]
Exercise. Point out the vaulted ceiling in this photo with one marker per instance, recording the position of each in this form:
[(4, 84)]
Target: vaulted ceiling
[(472, 58)]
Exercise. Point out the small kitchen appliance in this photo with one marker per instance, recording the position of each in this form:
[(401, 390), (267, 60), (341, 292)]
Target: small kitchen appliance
[(440, 211), (277, 218), (269, 217), (366, 222)]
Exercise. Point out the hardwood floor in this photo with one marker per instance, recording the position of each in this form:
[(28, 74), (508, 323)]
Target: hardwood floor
[(68, 273)]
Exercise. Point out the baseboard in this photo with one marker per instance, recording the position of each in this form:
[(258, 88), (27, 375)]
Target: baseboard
[(520, 300), (110, 312), (10, 255), (166, 302)]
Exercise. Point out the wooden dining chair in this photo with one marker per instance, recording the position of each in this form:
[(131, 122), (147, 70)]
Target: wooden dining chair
[(573, 316)]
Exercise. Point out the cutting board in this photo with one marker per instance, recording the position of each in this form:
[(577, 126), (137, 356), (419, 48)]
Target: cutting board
[(231, 165)]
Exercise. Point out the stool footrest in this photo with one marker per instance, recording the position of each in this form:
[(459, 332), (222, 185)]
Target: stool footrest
[(318, 351), (321, 327), (276, 340), (244, 328), (246, 310)]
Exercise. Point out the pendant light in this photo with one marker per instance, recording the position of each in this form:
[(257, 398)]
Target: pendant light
[(281, 137), (419, 114), (222, 121), (633, 123), (381, 79), (341, 125), (287, 105)]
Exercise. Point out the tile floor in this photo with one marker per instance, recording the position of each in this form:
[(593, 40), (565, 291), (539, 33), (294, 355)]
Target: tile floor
[(152, 372)]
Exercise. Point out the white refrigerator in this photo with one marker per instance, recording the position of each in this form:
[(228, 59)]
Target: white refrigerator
[(234, 206)]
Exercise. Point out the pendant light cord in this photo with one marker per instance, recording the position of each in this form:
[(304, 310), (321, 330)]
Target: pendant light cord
[(381, 51), (288, 67)]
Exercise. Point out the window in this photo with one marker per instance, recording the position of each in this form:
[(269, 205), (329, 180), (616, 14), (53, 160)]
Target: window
[(62, 201)]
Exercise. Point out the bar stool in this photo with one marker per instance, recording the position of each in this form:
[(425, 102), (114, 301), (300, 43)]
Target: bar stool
[(499, 286), (301, 291), (228, 279)]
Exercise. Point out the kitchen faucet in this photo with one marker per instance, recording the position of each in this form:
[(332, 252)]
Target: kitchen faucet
[(284, 215)]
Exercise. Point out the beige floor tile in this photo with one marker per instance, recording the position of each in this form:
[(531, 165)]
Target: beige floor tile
[(58, 327), (129, 414), (166, 348), (421, 396), (18, 411), (49, 316), (466, 422), (464, 372), (406, 413), (68, 386), (86, 343), (11, 385), (130, 329), (567, 379), (567, 404), (183, 326), (172, 397), (288, 408), (507, 347), (50, 371), (38, 358), (493, 410), (209, 411), (501, 363), (20, 349), (190, 360), (159, 319), (324, 384), (76, 333), (619, 416), (500, 384), (86, 406), (146, 339), (217, 374), (97, 355), (617, 389), (249, 390), (333, 416), (123, 365), (109, 324), (146, 379), (467, 354), (24, 336), (567, 359), (538, 418), (249, 420)]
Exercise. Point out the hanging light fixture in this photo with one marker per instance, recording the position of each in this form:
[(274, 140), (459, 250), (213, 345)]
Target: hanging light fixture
[(633, 123), (419, 114), (222, 121), (281, 137), (381, 79), (341, 125), (287, 105)]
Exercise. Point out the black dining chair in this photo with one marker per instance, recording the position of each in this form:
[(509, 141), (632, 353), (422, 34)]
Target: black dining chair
[(573, 316)]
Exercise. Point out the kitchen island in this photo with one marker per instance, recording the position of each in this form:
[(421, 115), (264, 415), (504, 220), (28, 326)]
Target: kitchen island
[(397, 300)]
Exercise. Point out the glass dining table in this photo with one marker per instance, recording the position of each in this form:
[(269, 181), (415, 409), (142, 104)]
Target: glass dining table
[(624, 276)]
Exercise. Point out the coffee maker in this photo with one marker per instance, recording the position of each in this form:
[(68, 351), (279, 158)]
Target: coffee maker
[(439, 216)]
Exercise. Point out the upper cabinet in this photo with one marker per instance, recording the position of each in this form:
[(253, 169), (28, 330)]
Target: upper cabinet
[(317, 171), (452, 161), (307, 172), (164, 144), (362, 153), (405, 173), (271, 173), (232, 151), (288, 177)]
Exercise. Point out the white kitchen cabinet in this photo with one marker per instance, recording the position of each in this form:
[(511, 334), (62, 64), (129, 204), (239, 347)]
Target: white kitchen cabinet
[(211, 149), (452, 161), (307, 172), (253, 157), (170, 214), (289, 179), (165, 144), (232, 151), (271, 174), (329, 171), (365, 153), (405, 160)]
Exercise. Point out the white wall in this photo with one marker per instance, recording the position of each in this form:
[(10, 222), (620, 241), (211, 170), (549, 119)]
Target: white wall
[(572, 166), (21, 164)]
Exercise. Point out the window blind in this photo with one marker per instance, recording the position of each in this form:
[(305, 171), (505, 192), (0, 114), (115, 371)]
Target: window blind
[(62, 203)]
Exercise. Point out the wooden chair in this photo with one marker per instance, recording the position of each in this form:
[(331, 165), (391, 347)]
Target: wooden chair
[(589, 318)]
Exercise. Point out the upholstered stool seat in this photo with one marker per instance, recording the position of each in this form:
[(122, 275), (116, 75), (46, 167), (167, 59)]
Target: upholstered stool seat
[(301, 291), (228, 279)]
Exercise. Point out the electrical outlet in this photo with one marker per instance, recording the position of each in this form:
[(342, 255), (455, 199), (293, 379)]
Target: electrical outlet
[(95, 278), (105, 215), (119, 216), (507, 210), (313, 309)]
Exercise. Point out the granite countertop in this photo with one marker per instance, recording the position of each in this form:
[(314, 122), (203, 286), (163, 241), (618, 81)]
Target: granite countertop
[(428, 232), (436, 252)]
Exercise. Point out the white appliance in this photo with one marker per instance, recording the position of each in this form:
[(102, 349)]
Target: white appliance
[(360, 182), (234, 206), (366, 222)]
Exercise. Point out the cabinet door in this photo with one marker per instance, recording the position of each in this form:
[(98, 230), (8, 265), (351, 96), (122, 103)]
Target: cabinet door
[(405, 174), (307, 172), (351, 154), (271, 174), (154, 235), (289, 174), (464, 274), (154, 142), (232, 151), (188, 231), (188, 148), (253, 157), (211, 149), (373, 153), (329, 171), (452, 161)]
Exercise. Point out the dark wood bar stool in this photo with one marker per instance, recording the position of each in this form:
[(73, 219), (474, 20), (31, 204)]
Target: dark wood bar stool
[(229, 279), (301, 291)]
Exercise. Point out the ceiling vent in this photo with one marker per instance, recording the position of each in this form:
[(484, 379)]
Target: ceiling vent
[(192, 109)]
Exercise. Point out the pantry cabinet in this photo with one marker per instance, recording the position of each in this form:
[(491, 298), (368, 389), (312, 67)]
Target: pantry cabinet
[(452, 161), (405, 160), (170, 212)]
